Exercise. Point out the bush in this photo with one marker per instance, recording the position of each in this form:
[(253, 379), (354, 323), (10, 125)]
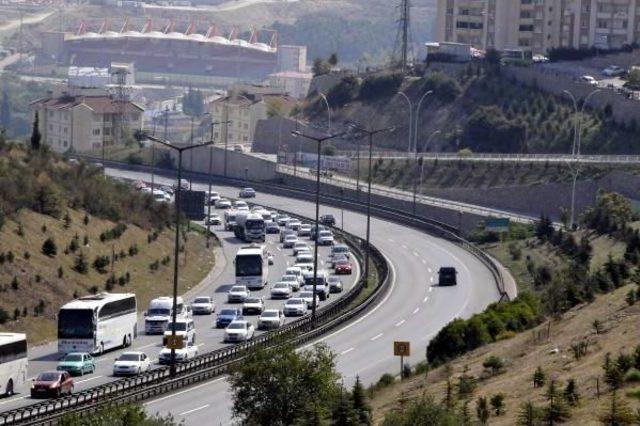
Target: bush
[(4, 316), (100, 263), (49, 247), (80, 264), (385, 380), (445, 88), (381, 86), (15, 284), (494, 364), (113, 233), (343, 92), (632, 376)]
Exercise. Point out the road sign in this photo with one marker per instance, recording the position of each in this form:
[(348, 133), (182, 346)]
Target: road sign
[(175, 342), (497, 224), (192, 204), (401, 348)]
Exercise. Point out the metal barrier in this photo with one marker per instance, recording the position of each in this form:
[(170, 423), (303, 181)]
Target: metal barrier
[(211, 364)]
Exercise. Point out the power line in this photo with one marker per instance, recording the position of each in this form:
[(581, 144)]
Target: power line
[(402, 50)]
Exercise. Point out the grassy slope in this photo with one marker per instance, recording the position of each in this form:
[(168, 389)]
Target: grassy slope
[(523, 355), (56, 291)]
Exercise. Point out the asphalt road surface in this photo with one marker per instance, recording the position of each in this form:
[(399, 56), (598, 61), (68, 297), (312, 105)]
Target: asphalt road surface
[(208, 338), (414, 310)]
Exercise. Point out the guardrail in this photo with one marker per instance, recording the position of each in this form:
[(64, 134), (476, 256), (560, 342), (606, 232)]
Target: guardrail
[(208, 365)]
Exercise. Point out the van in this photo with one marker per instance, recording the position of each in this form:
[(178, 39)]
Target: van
[(185, 327), (322, 286), (447, 275), (160, 313)]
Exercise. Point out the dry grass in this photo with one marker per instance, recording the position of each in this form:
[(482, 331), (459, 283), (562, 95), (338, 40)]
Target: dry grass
[(523, 355), (54, 291)]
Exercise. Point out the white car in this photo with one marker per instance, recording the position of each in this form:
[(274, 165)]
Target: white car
[(308, 296), (252, 305), (145, 190), (589, 80), (300, 246), (223, 203), (294, 307), (294, 224), (295, 270), (214, 219), (256, 208), (239, 203), (325, 238), (131, 363), (613, 71), (160, 196), (271, 318), (242, 208), (213, 197), (239, 331), (282, 219), (185, 327), (292, 280), (203, 305), (247, 193), (238, 294), (182, 355), (289, 241), (305, 230), (281, 290)]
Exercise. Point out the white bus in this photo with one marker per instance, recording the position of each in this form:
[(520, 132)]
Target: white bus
[(97, 323), (252, 266), (13, 362)]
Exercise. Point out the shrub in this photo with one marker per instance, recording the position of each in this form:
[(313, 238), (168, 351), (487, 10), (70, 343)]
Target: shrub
[(632, 376), (467, 384), (445, 88), (343, 92), (494, 364), (4, 316), (15, 284), (100, 263), (539, 378), (133, 250), (80, 264), (113, 233), (154, 266), (381, 86), (60, 272), (49, 247), (385, 380), (497, 403)]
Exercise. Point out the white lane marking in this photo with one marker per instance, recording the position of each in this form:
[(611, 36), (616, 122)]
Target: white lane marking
[(184, 413), (184, 391), (362, 318), (346, 352), (391, 240), (424, 261), (377, 336), (429, 269), (278, 248), (404, 247), (415, 253), (431, 279), (415, 311), (399, 323), (425, 299), (87, 380), (6, 401), (430, 289), (147, 346)]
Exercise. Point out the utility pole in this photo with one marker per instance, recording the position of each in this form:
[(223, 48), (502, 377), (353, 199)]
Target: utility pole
[(402, 48)]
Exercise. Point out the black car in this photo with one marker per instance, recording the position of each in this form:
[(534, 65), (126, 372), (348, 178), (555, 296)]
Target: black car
[(272, 228), (447, 276), (328, 219), (335, 284)]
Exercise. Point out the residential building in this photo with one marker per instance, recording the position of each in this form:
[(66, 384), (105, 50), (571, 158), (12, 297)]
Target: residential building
[(242, 113), (539, 25), (295, 84), (80, 123)]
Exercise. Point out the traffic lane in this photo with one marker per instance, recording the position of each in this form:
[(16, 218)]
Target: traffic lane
[(207, 336)]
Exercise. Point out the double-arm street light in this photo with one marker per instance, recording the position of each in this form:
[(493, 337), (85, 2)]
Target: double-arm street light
[(211, 125), (370, 134), (141, 135), (318, 140), (575, 150), (326, 102), (424, 147)]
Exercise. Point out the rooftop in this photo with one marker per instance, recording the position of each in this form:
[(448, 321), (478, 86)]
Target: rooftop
[(99, 104)]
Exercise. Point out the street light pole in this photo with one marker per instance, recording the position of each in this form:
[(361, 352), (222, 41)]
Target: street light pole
[(342, 209), (415, 135), (324, 97), (318, 140), (141, 135), (191, 152), (410, 118), (575, 151), (415, 187)]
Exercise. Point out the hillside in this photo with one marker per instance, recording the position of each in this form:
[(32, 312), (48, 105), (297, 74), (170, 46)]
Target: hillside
[(523, 354), (67, 231)]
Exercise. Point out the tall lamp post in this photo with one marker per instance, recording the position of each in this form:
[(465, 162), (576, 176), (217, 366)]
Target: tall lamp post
[(370, 134), (326, 102), (575, 150), (415, 186), (141, 135), (415, 133), (318, 140), (211, 125), (406, 98)]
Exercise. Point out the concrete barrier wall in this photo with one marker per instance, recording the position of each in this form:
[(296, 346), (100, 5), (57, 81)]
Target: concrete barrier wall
[(239, 165)]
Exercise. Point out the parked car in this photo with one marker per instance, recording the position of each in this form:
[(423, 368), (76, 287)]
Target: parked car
[(238, 148), (335, 284), (270, 319), (131, 363), (281, 290), (214, 219), (343, 267), (328, 219), (239, 331), (589, 80), (613, 71), (238, 294), (77, 363), (271, 228), (203, 305), (252, 305), (223, 203), (447, 275), (52, 383), (295, 307), (227, 316), (247, 193)]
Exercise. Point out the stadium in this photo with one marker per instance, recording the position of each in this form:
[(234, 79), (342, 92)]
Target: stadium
[(171, 55)]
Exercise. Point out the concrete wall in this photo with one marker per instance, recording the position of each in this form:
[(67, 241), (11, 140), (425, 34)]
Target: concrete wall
[(239, 165)]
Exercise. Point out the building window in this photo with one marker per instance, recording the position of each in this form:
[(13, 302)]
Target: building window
[(64, 144), (50, 113), (216, 134), (245, 138), (66, 130), (246, 126), (51, 127), (96, 132), (107, 131)]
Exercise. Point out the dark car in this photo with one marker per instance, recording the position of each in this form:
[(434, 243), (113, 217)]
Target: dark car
[(335, 284), (52, 383), (271, 228), (342, 267), (225, 316), (447, 276), (314, 231), (328, 219)]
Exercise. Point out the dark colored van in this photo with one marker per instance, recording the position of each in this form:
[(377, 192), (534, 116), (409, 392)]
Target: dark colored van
[(447, 276)]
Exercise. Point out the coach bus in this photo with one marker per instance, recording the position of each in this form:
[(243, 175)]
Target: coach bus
[(13, 362), (252, 266), (97, 323)]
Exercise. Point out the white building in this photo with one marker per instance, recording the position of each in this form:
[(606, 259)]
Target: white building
[(295, 84)]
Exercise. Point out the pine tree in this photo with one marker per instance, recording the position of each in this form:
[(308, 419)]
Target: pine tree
[(482, 410), (36, 137), (528, 415), (67, 220), (539, 378), (81, 265), (49, 247), (571, 394), (556, 410), (497, 403), (5, 110), (617, 412), (360, 404)]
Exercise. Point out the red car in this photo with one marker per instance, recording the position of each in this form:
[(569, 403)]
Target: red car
[(52, 383), (343, 267)]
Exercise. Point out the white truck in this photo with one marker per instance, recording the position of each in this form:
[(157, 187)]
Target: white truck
[(230, 219), (160, 314), (250, 227)]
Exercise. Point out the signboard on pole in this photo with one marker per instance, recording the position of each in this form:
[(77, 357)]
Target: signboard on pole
[(175, 342), (497, 224), (192, 204), (401, 348)]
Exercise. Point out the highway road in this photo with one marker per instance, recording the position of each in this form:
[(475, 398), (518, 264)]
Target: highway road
[(414, 310), (208, 338)]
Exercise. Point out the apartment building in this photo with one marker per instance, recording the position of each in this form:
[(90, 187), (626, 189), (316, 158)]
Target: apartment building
[(539, 25), (242, 113), (80, 123)]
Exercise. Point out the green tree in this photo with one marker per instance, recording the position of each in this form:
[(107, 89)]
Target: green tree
[(571, 394), (284, 386), (494, 364), (360, 404), (128, 415), (333, 59), (612, 212), (36, 137), (617, 412), (539, 378), (497, 403), (424, 411), (529, 414), (320, 67), (49, 247), (80, 264), (556, 411), (482, 410)]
